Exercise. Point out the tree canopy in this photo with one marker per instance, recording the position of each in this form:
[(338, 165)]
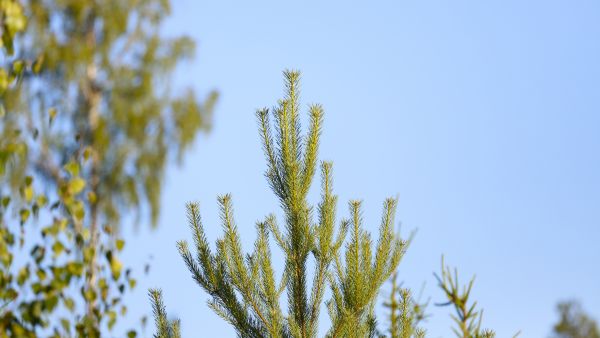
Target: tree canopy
[(89, 124)]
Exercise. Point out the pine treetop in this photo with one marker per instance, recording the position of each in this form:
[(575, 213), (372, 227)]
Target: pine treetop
[(245, 289)]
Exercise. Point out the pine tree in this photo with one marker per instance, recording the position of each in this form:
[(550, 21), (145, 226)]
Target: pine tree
[(244, 289)]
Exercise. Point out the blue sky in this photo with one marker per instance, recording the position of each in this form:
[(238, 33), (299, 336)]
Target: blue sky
[(482, 117)]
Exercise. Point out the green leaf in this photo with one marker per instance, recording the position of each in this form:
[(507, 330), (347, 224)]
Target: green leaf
[(112, 319), (69, 303), (41, 200), (51, 115), (88, 254), (120, 244), (87, 152), (38, 253), (11, 294), (115, 267), (4, 81), (37, 64), (76, 185), (89, 295), (58, 248), (72, 168), (75, 268), (66, 325), (41, 274), (5, 201), (24, 214), (77, 210), (23, 275), (132, 283), (18, 67), (91, 196), (28, 193)]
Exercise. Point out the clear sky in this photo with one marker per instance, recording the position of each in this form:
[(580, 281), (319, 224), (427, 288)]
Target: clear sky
[(483, 117)]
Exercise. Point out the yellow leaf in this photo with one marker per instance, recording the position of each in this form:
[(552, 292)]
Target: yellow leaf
[(120, 244), (92, 197), (37, 65), (28, 193), (87, 152), (24, 215), (52, 114), (76, 185), (115, 267), (72, 168)]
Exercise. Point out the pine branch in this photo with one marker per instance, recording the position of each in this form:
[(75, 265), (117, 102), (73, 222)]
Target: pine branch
[(405, 313), (467, 319), (243, 287), (164, 328), (357, 283)]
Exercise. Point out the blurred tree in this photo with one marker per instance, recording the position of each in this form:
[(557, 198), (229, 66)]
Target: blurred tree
[(574, 322), (88, 125)]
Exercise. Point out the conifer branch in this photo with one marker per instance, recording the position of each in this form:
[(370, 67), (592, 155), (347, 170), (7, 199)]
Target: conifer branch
[(405, 313), (273, 175), (312, 147), (164, 328), (326, 249), (467, 319), (243, 287)]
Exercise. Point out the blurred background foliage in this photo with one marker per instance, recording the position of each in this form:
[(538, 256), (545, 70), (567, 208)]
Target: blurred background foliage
[(574, 322), (88, 125)]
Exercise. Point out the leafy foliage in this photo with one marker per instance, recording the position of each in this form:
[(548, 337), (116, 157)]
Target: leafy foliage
[(244, 289), (88, 125), (12, 21), (574, 322), (105, 85)]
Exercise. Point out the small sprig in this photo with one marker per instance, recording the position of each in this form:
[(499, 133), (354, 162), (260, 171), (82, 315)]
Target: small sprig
[(467, 318), (165, 328), (405, 313)]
